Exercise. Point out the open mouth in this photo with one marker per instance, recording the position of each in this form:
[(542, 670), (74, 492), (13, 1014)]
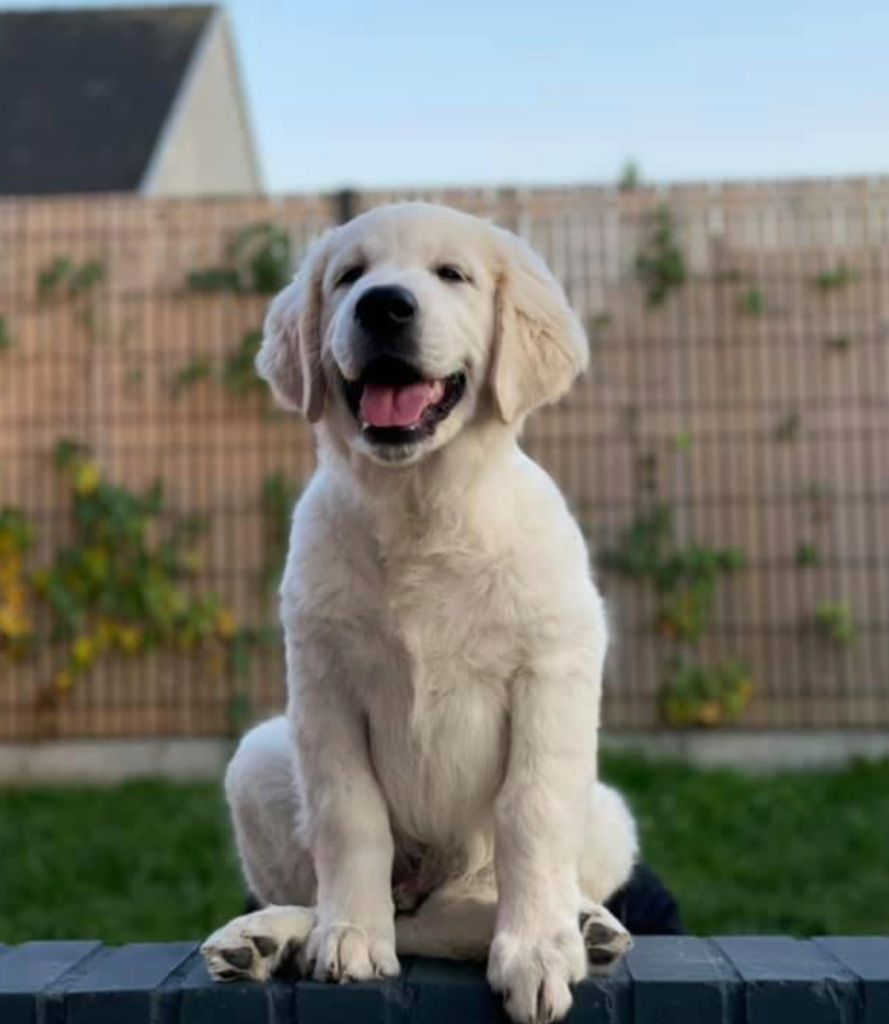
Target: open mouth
[(396, 405)]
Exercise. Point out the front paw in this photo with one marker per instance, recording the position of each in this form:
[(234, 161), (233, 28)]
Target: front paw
[(348, 952), (535, 972), (258, 945)]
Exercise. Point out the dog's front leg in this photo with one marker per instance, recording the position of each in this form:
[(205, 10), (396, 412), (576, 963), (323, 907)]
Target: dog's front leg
[(345, 823), (538, 951)]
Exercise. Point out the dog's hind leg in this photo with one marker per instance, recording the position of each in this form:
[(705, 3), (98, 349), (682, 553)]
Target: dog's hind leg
[(260, 786), (258, 945), (609, 853), (456, 921), (262, 797)]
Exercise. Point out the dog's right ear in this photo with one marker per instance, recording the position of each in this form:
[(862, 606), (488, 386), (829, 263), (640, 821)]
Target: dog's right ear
[(289, 358)]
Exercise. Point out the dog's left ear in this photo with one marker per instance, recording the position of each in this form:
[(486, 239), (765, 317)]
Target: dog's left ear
[(539, 344)]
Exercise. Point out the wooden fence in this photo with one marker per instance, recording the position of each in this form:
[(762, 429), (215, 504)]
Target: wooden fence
[(752, 405)]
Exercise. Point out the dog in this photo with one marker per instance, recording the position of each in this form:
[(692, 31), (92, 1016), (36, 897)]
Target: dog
[(432, 787)]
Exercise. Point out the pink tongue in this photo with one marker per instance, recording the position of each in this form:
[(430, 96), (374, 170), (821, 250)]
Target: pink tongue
[(383, 406)]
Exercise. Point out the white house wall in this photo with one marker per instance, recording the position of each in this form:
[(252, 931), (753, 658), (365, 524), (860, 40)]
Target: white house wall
[(206, 147)]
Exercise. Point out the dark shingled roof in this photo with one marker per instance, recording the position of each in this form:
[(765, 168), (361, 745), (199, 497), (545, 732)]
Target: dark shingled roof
[(84, 94)]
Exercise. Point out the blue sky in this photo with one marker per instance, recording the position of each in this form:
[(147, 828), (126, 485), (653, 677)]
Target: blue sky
[(392, 92)]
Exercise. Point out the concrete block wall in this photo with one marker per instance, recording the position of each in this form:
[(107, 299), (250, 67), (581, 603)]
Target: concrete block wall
[(736, 980)]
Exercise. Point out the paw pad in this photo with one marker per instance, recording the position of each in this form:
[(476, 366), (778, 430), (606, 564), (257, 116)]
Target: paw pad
[(240, 957), (605, 939)]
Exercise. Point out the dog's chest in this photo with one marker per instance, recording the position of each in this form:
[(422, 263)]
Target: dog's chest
[(435, 691)]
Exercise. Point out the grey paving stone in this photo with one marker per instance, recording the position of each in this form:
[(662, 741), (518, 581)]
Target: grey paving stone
[(868, 958), (372, 1002), (446, 992), (603, 1000), (125, 985), (203, 1001), (28, 972), (681, 979), (788, 981)]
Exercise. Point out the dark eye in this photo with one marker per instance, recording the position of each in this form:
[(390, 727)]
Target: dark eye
[(448, 272), (350, 275)]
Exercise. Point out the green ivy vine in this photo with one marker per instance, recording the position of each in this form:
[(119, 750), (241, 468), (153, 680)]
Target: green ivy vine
[(123, 585), (660, 264), (258, 260)]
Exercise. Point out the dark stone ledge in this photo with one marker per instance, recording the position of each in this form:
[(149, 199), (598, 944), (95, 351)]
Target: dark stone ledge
[(731, 980)]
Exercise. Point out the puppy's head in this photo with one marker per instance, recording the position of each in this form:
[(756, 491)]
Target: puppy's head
[(412, 323)]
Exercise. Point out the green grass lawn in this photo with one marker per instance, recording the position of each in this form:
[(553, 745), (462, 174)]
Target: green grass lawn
[(790, 853)]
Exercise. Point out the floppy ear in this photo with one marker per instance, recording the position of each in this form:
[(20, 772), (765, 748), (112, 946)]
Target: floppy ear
[(290, 355), (539, 344)]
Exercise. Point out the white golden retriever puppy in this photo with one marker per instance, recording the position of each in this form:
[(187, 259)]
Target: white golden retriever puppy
[(432, 786)]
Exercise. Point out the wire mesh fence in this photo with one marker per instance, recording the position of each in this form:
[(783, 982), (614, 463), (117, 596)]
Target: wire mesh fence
[(726, 453)]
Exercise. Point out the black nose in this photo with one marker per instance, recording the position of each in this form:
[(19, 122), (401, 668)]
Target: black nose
[(386, 310)]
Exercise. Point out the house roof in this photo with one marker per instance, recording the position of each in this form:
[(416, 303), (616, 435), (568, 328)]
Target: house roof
[(86, 93)]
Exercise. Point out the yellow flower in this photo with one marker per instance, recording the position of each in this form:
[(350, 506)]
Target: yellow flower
[(193, 562), (104, 634), (95, 560), (225, 624), (63, 681), (129, 638), (216, 663), (40, 579), (13, 622), (87, 478), (710, 713), (83, 651)]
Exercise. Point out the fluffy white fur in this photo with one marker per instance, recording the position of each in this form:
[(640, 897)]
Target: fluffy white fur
[(444, 645)]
